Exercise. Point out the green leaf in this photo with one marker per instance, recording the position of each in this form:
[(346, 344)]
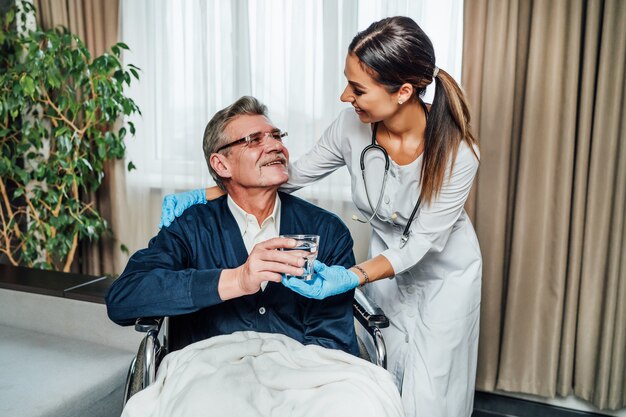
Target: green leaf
[(8, 18), (131, 166), (86, 163), (27, 85), (124, 249), (122, 45)]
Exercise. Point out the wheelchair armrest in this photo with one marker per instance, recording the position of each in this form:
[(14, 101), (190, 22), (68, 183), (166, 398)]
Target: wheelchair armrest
[(155, 328), (367, 312), (145, 324)]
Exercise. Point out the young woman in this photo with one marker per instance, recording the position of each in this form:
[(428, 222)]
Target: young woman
[(412, 167)]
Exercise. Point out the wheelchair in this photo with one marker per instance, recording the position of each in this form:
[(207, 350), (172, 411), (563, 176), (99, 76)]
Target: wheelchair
[(160, 339)]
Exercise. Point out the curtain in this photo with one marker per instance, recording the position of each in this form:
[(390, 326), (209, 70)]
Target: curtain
[(199, 56), (96, 22), (546, 84)]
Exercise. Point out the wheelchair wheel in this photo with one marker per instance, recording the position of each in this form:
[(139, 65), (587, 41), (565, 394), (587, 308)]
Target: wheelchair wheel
[(363, 353), (135, 383)]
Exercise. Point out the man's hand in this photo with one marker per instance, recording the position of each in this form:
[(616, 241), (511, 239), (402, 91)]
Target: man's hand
[(265, 263), (175, 204), (327, 281)]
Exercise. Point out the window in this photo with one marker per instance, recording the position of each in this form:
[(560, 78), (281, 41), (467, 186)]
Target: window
[(198, 56)]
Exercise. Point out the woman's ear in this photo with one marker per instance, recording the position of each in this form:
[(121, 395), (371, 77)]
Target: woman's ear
[(405, 93), (220, 165)]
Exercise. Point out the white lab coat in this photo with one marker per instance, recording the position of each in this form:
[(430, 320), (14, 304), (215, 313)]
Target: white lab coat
[(434, 301)]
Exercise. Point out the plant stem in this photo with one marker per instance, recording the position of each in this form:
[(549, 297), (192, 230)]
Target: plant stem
[(7, 241), (56, 109), (70, 255), (5, 197)]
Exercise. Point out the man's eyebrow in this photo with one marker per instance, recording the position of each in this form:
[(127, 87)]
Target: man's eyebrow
[(274, 129)]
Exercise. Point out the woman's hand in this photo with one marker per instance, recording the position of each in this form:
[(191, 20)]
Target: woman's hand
[(327, 281), (175, 204)]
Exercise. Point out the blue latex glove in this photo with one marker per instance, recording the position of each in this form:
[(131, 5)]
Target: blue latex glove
[(327, 281), (175, 204)]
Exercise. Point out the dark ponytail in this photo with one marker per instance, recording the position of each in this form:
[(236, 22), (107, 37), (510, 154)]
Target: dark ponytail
[(396, 51), (448, 125)]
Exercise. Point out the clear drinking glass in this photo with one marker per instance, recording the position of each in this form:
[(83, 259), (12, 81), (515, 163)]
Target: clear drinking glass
[(307, 243)]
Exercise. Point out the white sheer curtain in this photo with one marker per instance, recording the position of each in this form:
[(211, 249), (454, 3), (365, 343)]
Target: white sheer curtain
[(197, 56)]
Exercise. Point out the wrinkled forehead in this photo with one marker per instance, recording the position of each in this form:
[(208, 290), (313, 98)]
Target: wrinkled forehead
[(247, 124)]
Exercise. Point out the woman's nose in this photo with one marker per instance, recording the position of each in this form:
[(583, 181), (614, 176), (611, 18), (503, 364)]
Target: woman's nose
[(345, 96)]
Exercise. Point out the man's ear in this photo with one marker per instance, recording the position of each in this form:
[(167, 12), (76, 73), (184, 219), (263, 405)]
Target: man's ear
[(220, 165)]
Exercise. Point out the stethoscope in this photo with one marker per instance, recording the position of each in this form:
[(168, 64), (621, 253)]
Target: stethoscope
[(374, 146)]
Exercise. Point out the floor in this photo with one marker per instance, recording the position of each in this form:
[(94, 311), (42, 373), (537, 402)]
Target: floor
[(493, 405)]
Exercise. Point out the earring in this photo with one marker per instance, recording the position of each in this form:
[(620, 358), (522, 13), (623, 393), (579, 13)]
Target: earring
[(400, 101)]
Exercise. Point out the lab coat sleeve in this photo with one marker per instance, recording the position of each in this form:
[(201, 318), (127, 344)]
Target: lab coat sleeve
[(320, 161), (434, 222), (158, 281)]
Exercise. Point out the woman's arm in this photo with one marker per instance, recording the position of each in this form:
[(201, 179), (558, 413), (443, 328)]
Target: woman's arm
[(321, 160), (214, 192), (430, 231)]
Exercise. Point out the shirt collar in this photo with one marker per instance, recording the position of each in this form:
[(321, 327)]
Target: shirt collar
[(241, 216)]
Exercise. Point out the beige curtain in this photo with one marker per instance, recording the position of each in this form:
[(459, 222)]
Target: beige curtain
[(546, 82), (96, 22)]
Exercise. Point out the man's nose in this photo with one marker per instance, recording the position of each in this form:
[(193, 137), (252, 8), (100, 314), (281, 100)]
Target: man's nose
[(273, 144)]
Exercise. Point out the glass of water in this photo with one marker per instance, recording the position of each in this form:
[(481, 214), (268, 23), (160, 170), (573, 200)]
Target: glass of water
[(306, 243)]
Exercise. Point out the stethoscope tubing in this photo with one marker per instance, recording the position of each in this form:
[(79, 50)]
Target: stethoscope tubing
[(374, 146)]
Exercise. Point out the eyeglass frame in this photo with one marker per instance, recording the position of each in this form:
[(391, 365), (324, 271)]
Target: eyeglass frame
[(248, 139)]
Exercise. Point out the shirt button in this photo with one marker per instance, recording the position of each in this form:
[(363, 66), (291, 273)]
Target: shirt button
[(262, 310), (387, 199)]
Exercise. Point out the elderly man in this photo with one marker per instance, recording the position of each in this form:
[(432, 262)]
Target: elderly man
[(217, 269)]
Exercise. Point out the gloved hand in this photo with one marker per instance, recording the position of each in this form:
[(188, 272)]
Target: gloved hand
[(327, 281), (175, 204)]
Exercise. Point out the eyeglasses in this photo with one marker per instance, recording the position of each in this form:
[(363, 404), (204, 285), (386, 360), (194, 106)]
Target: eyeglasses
[(255, 139)]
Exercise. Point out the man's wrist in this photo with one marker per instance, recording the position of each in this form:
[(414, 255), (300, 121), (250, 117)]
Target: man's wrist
[(228, 286)]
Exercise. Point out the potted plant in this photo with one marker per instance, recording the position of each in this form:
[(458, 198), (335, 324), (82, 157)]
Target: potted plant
[(60, 113)]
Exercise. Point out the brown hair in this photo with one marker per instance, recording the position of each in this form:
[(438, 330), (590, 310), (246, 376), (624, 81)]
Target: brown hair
[(396, 51)]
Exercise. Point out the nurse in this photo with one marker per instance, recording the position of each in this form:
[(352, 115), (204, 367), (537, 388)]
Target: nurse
[(411, 184)]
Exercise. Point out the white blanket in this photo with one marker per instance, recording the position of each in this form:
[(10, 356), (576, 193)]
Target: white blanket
[(259, 374)]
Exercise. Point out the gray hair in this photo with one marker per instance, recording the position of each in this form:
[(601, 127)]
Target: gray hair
[(214, 135)]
